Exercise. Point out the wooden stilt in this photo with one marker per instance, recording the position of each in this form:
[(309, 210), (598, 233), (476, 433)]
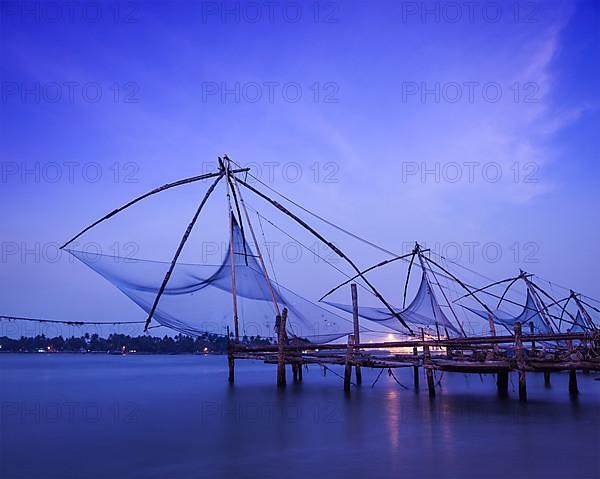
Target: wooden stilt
[(348, 365), (356, 330), (231, 363), (300, 372), (522, 386), (416, 369), (295, 372), (502, 383), (547, 379), (520, 354), (573, 390), (281, 335), (230, 360), (428, 371), (532, 331)]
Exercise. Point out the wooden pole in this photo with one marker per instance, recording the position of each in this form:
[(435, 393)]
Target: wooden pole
[(429, 371), (146, 195), (356, 330), (573, 390), (586, 316), (348, 365), (520, 355), (492, 354), (184, 239), (502, 383), (230, 359), (236, 329), (532, 332), (333, 247), (281, 334), (547, 379), (258, 252), (433, 299), (416, 369)]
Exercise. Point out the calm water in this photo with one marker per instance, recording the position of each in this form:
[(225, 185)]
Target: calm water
[(97, 416)]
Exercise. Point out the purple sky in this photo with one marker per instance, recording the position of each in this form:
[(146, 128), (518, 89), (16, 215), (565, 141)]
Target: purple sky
[(403, 125)]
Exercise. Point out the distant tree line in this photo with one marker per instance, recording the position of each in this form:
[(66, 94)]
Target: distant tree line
[(179, 344)]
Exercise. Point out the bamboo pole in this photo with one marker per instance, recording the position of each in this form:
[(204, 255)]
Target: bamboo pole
[(410, 264), (179, 249), (441, 289), (258, 251), (146, 195), (356, 330), (333, 247), (584, 313), (236, 330), (456, 343), (540, 304), (364, 271)]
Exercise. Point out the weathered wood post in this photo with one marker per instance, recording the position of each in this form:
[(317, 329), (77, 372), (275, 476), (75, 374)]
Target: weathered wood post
[(532, 332), (356, 330), (230, 360), (573, 389), (416, 369), (502, 383), (428, 370), (547, 379), (520, 356), (300, 372), (348, 365), (280, 345), (295, 372)]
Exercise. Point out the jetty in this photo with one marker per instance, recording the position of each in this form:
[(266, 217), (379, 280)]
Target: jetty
[(549, 334)]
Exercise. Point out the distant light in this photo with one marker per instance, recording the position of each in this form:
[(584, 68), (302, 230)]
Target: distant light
[(206, 350)]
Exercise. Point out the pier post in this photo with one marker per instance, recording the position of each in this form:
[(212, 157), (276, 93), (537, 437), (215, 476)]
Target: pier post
[(547, 379), (532, 332), (502, 383), (520, 355), (295, 372), (281, 335), (416, 369), (428, 371), (356, 330), (348, 365), (300, 372), (573, 390), (230, 360)]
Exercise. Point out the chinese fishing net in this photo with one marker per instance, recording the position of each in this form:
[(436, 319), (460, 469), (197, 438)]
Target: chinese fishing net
[(198, 298)]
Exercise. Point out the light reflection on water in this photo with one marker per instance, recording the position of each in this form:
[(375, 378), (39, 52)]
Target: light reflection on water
[(176, 416)]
